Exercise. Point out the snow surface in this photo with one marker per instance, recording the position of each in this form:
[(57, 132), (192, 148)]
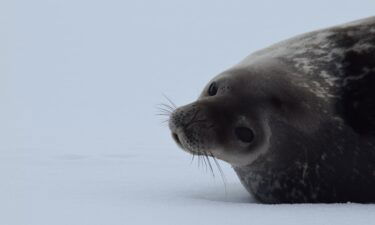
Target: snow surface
[(142, 186), (80, 81)]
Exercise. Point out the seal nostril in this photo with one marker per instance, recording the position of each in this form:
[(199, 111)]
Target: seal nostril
[(244, 134), (176, 138)]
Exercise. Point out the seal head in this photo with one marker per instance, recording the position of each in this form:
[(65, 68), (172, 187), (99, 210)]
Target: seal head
[(230, 119)]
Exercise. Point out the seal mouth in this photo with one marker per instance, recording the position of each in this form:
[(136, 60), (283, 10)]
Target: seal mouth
[(180, 143)]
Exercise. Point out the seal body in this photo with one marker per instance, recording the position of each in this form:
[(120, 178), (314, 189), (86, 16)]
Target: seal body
[(295, 120)]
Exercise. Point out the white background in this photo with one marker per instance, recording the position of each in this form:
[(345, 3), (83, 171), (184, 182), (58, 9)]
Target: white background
[(80, 142)]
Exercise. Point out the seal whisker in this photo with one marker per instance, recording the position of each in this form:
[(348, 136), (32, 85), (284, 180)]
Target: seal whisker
[(162, 114), (170, 101), (192, 158), (165, 121), (167, 106), (209, 164), (167, 110), (204, 161), (221, 173)]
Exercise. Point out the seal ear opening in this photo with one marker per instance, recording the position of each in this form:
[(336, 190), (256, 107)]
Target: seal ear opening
[(244, 134)]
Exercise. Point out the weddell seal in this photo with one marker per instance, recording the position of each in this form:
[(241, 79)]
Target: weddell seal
[(296, 120)]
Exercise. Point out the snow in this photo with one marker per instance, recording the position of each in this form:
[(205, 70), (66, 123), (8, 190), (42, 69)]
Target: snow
[(80, 81), (143, 186)]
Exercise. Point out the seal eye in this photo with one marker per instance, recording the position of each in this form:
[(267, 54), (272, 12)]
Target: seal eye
[(212, 90)]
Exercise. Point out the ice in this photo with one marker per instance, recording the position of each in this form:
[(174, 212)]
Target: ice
[(143, 186)]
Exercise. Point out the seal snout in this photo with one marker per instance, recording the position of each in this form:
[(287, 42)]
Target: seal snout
[(192, 129), (175, 125), (178, 123)]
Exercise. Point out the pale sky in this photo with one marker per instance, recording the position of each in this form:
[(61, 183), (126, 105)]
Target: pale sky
[(85, 76)]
